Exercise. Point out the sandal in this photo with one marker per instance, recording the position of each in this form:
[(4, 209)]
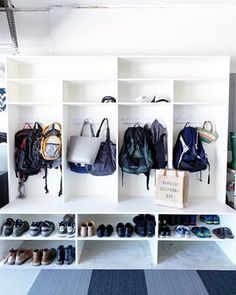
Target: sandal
[(219, 233), (228, 233)]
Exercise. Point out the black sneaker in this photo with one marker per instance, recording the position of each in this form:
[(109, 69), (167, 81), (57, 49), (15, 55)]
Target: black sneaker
[(108, 230), (7, 227), (69, 219), (120, 229), (69, 254), (20, 228), (35, 228), (128, 230), (150, 225), (101, 230), (140, 225), (47, 228), (60, 254)]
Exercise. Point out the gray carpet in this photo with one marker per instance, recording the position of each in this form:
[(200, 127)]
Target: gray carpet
[(134, 282)]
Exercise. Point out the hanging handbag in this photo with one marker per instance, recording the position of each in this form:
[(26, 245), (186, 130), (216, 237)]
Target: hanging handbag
[(84, 149), (207, 134), (105, 163)]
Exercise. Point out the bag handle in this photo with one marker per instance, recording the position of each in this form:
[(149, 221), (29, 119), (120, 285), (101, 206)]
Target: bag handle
[(205, 125), (107, 131), (55, 126), (37, 126), (176, 172), (86, 121), (27, 126)]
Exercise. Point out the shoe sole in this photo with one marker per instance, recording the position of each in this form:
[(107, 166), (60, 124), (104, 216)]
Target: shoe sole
[(36, 264), (60, 262)]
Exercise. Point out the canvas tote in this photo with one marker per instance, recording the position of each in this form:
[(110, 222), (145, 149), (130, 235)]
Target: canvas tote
[(172, 188)]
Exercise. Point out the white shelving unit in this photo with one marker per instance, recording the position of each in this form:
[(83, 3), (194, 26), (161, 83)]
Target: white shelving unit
[(69, 89)]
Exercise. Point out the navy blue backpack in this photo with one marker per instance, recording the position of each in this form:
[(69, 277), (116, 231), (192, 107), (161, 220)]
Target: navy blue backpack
[(189, 154)]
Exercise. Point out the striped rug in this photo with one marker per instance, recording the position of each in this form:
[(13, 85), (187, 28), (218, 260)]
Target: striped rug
[(134, 282)]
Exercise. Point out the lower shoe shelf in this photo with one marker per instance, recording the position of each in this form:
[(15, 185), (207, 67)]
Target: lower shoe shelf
[(194, 255), (32, 245)]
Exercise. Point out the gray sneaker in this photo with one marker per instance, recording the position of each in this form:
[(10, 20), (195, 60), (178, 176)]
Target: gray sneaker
[(47, 228), (7, 227), (20, 228), (61, 230), (35, 228), (70, 231)]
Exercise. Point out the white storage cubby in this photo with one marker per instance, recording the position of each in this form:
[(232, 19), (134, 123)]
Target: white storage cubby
[(34, 91), (129, 115), (130, 90), (18, 115), (55, 218), (86, 91), (85, 185), (32, 244), (69, 90)]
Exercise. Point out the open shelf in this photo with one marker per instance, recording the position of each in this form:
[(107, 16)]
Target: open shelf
[(67, 67), (55, 218), (116, 255), (131, 90), (126, 205), (88, 91), (34, 91), (34, 245), (193, 255), (112, 219), (200, 91)]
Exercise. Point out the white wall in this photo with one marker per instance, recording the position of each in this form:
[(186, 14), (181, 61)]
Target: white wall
[(180, 30)]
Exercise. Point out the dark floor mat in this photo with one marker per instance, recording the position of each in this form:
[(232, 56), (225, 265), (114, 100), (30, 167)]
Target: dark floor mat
[(118, 282), (219, 282)]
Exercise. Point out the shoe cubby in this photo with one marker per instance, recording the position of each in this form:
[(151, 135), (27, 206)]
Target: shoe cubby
[(116, 254), (112, 219), (88, 91), (69, 89), (194, 255), (30, 218), (33, 245)]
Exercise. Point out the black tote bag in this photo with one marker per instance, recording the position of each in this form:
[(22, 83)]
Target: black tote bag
[(105, 163)]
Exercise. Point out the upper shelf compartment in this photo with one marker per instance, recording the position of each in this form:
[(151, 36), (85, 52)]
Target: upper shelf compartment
[(162, 67), (52, 67), (200, 91), (132, 91), (88, 91)]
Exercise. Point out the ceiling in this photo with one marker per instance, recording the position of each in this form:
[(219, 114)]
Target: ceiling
[(47, 4)]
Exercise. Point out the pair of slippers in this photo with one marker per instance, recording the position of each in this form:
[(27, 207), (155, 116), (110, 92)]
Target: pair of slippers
[(223, 233), (201, 232)]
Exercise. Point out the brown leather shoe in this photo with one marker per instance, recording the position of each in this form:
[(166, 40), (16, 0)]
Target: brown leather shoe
[(10, 259), (37, 257), (48, 256), (22, 256)]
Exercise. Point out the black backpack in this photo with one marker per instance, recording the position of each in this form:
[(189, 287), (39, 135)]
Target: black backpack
[(189, 154), (28, 160), (135, 156), (158, 144)]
